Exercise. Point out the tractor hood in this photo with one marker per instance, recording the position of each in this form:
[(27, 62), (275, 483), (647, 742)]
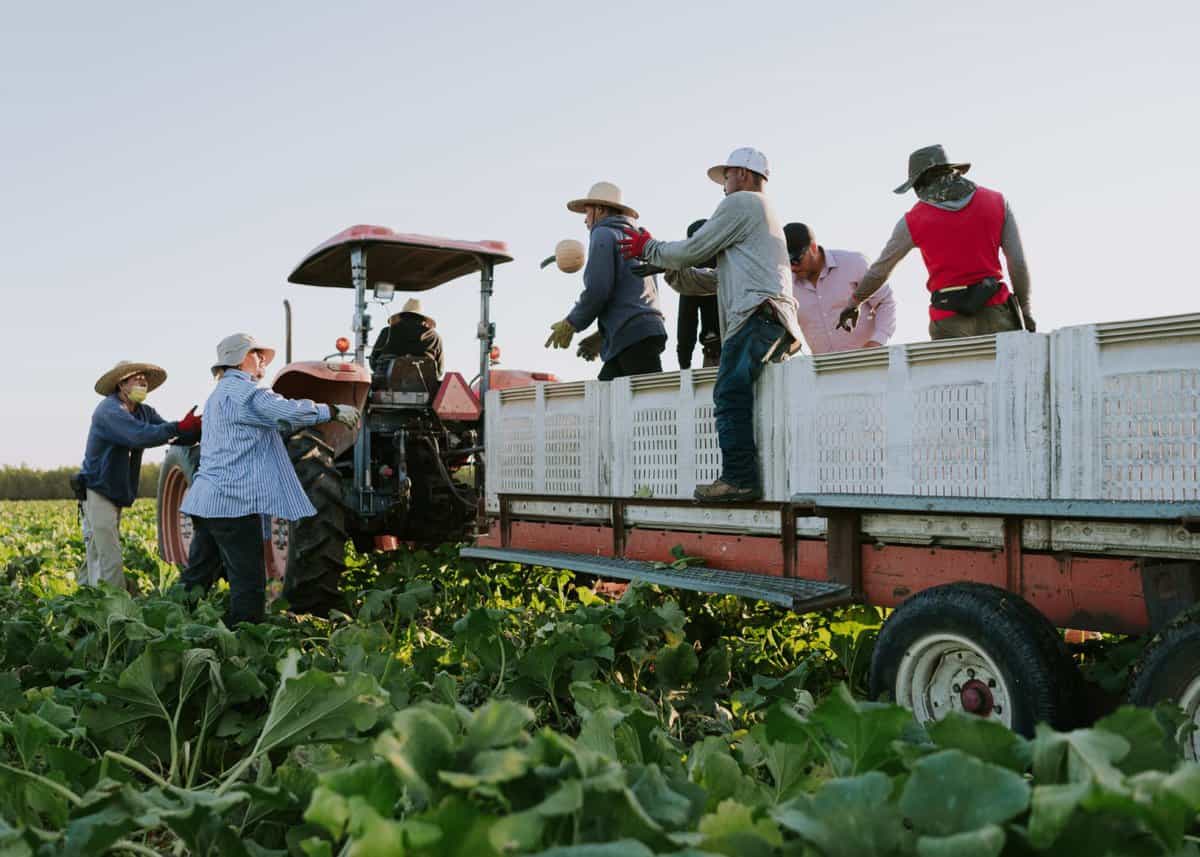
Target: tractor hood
[(413, 263)]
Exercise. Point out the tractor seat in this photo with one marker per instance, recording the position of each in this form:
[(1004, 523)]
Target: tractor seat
[(407, 374)]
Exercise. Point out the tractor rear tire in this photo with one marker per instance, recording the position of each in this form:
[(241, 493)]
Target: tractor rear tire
[(174, 479), (316, 546), (978, 649)]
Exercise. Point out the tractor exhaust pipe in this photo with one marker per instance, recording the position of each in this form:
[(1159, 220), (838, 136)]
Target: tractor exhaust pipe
[(287, 329)]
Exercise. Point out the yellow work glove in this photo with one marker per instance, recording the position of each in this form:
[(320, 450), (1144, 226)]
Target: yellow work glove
[(589, 347), (561, 333)]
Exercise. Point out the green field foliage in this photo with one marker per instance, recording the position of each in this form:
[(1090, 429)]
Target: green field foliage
[(461, 710)]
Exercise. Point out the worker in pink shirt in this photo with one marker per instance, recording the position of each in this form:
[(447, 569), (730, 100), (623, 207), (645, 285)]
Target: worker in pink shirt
[(823, 282)]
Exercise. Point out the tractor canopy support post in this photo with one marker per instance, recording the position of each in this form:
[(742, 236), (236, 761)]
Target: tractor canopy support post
[(362, 322), (362, 326), (287, 330), (486, 333)]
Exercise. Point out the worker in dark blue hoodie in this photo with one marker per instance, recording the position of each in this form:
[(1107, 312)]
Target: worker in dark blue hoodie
[(122, 426), (624, 305)]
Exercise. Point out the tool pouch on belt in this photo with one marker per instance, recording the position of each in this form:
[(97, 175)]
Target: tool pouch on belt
[(965, 300), (77, 486)]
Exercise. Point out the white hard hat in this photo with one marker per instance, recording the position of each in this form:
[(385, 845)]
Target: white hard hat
[(748, 157)]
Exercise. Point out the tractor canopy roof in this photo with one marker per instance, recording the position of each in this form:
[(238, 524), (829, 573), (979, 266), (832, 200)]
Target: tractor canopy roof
[(413, 263)]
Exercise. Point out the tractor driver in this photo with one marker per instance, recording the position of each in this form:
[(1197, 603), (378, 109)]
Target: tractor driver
[(409, 334)]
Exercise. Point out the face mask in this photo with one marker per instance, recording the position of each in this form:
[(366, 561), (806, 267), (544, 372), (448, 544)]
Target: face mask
[(137, 395)]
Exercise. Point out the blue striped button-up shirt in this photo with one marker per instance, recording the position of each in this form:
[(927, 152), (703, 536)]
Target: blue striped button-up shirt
[(244, 465)]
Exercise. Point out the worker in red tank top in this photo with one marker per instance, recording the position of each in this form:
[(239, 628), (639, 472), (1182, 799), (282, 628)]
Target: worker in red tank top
[(960, 229)]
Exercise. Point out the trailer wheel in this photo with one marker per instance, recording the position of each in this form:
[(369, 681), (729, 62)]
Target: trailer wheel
[(313, 550), (174, 479), (1169, 671), (976, 649)]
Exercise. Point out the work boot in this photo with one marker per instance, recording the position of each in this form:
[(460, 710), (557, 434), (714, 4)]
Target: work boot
[(722, 492)]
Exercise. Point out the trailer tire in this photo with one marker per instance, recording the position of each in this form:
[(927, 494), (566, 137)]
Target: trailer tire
[(174, 479), (1169, 671), (979, 649), (316, 546)]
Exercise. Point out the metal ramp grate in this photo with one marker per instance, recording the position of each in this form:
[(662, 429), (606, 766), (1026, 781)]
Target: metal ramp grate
[(794, 593)]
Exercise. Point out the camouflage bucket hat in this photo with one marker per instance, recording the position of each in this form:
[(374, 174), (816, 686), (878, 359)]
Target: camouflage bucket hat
[(926, 159)]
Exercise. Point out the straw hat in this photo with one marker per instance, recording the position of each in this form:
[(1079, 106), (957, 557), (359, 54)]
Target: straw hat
[(232, 350), (602, 193), (412, 306), (107, 383)]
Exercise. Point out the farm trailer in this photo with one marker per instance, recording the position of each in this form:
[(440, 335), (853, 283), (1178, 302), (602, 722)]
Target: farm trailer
[(989, 489)]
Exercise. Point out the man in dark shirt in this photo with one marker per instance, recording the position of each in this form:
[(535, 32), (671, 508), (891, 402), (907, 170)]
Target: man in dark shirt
[(409, 334), (701, 309), (121, 428)]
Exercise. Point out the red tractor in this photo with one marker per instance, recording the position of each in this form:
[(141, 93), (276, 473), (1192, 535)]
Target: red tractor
[(413, 471)]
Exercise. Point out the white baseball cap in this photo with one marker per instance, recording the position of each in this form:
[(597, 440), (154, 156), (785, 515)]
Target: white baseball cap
[(748, 157)]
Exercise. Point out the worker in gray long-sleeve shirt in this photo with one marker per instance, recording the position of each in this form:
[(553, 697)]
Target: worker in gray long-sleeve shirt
[(960, 229), (753, 284)]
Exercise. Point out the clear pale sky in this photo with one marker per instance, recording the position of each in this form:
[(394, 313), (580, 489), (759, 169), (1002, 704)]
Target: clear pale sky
[(164, 167)]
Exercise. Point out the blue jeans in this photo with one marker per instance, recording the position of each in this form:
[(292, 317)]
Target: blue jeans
[(733, 397)]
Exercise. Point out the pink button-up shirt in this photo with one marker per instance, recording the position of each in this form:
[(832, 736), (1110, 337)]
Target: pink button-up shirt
[(820, 306)]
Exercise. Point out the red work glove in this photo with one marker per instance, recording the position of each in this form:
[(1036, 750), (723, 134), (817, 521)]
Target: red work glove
[(190, 423), (634, 244)]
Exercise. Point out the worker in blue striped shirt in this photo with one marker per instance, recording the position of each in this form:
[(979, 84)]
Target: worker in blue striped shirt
[(245, 475)]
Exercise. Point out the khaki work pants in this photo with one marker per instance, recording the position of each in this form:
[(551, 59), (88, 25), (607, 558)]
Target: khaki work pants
[(990, 319), (102, 541)]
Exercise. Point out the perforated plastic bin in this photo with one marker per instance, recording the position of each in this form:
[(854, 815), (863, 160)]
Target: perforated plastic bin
[(1127, 410), (965, 417), (547, 439), (665, 436)]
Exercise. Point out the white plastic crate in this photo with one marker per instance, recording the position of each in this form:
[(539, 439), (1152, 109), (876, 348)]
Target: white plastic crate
[(547, 439), (966, 417), (1127, 410), (665, 437)]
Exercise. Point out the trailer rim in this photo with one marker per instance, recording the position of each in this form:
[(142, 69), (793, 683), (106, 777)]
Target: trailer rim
[(1189, 701), (943, 672)]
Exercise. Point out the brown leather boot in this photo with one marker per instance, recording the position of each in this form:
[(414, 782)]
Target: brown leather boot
[(722, 492)]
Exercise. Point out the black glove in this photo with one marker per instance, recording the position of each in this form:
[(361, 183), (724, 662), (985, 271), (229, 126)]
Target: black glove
[(645, 269), (1030, 324), (848, 319)]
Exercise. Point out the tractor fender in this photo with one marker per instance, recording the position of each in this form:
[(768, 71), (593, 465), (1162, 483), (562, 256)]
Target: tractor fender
[(328, 383)]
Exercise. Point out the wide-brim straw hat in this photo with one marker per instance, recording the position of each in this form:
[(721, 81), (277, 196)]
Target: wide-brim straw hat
[(232, 350), (412, 306), (602, 193), (107, 383), (925, 159)]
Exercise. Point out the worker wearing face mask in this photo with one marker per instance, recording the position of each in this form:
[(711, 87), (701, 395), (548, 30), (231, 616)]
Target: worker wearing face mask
[(122, 426)]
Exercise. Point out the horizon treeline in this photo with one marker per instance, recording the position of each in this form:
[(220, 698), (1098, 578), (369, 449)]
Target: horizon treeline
[(28, 483)]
